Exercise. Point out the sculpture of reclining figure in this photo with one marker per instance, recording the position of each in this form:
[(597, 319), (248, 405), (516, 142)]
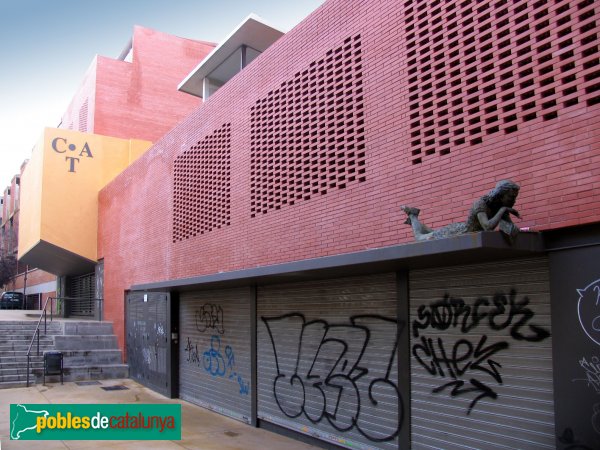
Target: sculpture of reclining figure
[(490, 211)]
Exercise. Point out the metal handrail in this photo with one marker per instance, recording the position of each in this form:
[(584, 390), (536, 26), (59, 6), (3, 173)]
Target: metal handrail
[(37, 331)]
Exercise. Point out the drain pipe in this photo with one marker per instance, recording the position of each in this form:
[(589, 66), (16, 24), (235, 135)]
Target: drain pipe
[(24, 305)]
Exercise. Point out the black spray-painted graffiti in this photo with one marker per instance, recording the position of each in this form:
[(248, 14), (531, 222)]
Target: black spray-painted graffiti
[(322, 373), (215, 363), (588, 310), (464, 360), (210, 316)]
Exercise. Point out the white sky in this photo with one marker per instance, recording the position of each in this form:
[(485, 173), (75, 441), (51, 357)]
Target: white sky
[(47, 46)]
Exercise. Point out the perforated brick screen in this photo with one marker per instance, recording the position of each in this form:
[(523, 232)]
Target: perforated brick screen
[(202, 186), (83, 116), (308, 135), (480, 68)]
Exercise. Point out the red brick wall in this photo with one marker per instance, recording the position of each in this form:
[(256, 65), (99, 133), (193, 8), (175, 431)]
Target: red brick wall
[(79, 115), (554, 159), (139, 100), (34, 277)]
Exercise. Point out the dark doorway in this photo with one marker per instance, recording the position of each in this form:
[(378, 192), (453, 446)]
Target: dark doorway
[(149, 340)]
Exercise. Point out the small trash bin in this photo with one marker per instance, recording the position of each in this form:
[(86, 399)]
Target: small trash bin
[(53, 365)]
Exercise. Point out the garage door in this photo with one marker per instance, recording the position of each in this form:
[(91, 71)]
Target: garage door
[(327, 359), (481, 363), (214, 356)]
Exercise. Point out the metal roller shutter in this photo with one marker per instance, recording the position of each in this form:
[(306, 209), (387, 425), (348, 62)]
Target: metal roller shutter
[(214, 356), (81, 290), (481, 363), (327, 359)]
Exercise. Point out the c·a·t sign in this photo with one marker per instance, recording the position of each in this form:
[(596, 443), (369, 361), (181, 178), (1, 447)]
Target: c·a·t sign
[(60, 145)]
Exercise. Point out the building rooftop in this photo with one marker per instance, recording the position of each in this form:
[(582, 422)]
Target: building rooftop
[(253, 32)]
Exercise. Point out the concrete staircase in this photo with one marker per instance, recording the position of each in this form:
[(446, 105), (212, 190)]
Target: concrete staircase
[(15, 337), (90, 352)]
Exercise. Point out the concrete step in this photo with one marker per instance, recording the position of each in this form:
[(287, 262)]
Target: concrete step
[(55, 319), (21, 350), (80, 373), (20, 364), (30, 325), (8, 349), (7, 342), (91, 357), (88, 328), (22, 334), (21, 370), (27, 334), (87, 342), (16, 384), (23, 337), (90, 352), (5, 362), (12, 378)]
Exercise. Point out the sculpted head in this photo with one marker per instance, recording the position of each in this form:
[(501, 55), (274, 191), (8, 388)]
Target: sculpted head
[(505, 193)]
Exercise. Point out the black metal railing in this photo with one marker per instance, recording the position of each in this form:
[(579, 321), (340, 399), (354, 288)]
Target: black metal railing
[(36, 333)]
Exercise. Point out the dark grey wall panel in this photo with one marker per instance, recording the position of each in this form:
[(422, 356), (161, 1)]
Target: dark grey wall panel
[(148, 339), (575, 283)]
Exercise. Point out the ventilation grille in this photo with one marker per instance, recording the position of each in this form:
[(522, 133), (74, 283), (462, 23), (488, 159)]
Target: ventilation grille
[(480, 68), (82, 286), (308, 136), (202, 186)]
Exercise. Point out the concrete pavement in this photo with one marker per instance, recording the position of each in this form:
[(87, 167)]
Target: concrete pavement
[(19, 314), (201, 429)]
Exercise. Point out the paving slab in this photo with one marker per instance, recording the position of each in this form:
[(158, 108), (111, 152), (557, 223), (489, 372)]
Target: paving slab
[(201, 429)]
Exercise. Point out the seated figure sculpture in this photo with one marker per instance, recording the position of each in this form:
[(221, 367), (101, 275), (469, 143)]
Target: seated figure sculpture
[(490, 211)]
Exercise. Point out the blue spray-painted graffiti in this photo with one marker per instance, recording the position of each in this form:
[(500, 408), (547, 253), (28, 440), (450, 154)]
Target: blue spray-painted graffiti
[(215, 363)]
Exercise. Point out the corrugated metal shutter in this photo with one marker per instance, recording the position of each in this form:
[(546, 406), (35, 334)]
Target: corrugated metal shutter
[(327, 359), (214, 356), (481, 363)]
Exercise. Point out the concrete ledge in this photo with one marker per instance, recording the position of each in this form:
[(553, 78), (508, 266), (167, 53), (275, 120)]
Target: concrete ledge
[(87, 342), (80, 373), (87, 328), (468, 248), (91, 357)]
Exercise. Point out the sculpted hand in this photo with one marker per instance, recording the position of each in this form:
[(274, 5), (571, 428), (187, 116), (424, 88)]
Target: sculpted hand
[(514, 212)]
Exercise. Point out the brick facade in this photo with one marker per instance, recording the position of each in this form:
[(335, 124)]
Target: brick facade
[(137, 99), (130, 99), (437, 130)]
